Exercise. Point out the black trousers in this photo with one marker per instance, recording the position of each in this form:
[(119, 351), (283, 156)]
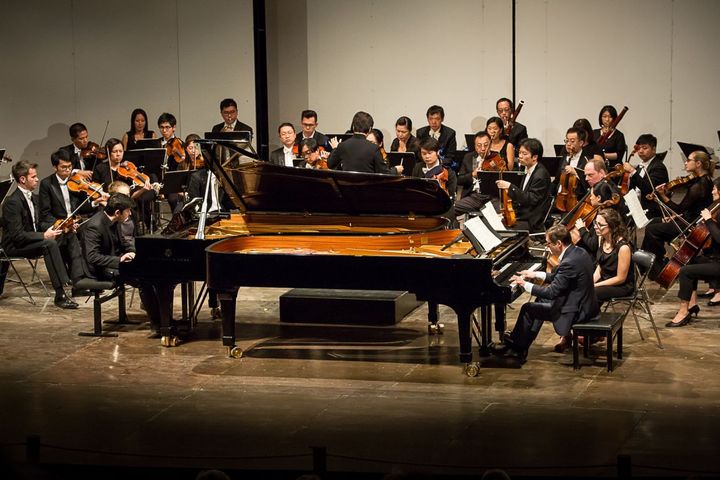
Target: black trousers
[(471, 203), (657, 234), (530, 320), (703, 268), (71, 253), (50, 250)]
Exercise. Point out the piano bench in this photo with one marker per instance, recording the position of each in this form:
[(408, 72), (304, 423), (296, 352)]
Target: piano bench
[(608, 325), (98, 287)]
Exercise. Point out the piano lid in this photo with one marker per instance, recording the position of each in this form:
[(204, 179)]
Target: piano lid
[(257, 186)]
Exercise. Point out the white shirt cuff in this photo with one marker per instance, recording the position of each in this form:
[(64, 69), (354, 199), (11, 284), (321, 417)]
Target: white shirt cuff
[(528, 287), (541, 275)]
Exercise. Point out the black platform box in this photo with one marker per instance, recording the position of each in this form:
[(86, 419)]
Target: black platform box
[(347, 307)]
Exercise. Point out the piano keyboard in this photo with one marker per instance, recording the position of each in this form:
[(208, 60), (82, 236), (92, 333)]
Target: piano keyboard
[(511, 268)]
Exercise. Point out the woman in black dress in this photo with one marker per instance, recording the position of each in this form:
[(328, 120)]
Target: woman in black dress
[(499, 142), (138, 130), (614, 274), (615, 146)]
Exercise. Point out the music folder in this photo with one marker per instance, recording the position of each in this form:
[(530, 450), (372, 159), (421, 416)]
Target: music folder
[(2, 154), (470, 141), (560, 150), (148, 160), (489, 187), (177, 181), (148, 143), (406, 159)]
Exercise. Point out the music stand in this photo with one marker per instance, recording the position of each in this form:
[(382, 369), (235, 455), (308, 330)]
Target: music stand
[(560, 149), (2, 154), (406, 159), (241, 135), (150, 159), (688, 148), (4, 189), (470, 141), (551, 164), (148, 143), (487, 181), (176, 182)]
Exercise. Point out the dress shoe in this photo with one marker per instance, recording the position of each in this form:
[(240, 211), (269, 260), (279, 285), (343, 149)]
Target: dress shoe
[(65, 303), (708, 294), (564, 344), (695, 309), (520, 355), (81, 292), (681, 323), (713, 304)]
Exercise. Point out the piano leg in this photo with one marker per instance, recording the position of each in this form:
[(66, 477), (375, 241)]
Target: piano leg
[(464, 319), (500, 323), (485, 330), (434, 328), (227, 305), (168, 331)]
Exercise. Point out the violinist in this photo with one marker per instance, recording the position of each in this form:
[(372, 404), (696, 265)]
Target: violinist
[(649, 174), (79, 149), (138, 130), (600, 192), (506, 111), (532, 200), (700, 168), (431, 168), (284, 155), (499, 142), (472, 199), (230, 123), (176, 153), (194, 157), (704, 267), (313, 156), (404, 140), (615, 148)]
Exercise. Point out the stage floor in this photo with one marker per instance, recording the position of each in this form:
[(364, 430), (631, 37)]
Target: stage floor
[(378, 399)]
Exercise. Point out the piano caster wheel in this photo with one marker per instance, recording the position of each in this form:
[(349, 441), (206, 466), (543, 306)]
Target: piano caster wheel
[(215, 313), (436, 328), (169, 341), (472, 369), (236, 352)]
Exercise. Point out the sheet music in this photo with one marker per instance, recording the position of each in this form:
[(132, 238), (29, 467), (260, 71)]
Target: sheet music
[(487, 239), (632, 200), (488, 210)]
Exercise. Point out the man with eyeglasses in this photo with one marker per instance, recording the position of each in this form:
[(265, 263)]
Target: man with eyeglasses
[(506, 110), (649, 174), (574, 161), (309, 123), (230, 123)]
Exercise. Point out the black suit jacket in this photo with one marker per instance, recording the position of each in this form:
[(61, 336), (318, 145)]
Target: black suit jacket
[(451, 182), (571, 290), (17, 222), (52, 204), (532, 202), (413, 145), (277, 157), (656, 174), (321, 139), (102, 246), (357, 154), (464, 176), (75, 159), (447, 140), (239, 127), (517, 134), (196, 189)]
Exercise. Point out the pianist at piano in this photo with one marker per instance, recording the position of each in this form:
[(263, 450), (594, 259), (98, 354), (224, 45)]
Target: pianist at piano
[(568, 298)]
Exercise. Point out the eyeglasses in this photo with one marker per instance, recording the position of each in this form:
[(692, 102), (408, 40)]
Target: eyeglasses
[(65, 167), (165, 127), (225, 113), (600, 225), (572, 140), (308, 124)]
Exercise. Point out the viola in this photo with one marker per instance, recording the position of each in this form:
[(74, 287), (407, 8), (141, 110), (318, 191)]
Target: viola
[(494, 162), (585, 211), (566, 200), (176, 150), (508, 212), (129, 170), (78, 183), (93, 150)]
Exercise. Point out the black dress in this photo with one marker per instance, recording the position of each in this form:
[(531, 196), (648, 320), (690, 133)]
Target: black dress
[(132, 144), (614, 144), (608, 263)]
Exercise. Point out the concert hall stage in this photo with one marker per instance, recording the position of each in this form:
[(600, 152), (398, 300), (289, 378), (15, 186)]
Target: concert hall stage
[(378, 399)]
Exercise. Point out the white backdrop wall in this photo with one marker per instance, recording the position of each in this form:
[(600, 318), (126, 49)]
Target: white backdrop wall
[(392, 58), (87, 61)]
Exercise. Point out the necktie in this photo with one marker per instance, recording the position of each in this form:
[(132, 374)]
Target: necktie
[(227, 128)]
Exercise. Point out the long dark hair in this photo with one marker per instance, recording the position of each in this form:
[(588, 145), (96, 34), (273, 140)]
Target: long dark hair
[(615, 224), (134, 114)]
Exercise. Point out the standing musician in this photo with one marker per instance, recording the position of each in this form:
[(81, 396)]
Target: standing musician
[(139, 130), (472, 199), (698, 196), (615, 148), (649, 174), (309, 123), (230, 123), (22, 236), (499, 142), (506, 110), (437, 130), (532, 201), (704, 267), (284, 155), (404, 140), (568, 298), (357, 154), (80, 142)]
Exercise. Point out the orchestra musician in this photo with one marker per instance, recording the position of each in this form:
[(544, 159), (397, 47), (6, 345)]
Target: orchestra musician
[(376, 136), (230, 123), (437, 130), (167, 124), (194, 158), (499, 142), (22, 236), (471, 198), (700, 168), (573, 161), (431, 168), (138, 130), (506, 110), (218, 200), (404, 140), (309, 123), (615, 148), (313, 156), (567, 298), (590, 148), (601, 191), (648, 174), (284, 155), (532, 200), (703, 267), (357, 154), (80, 140)]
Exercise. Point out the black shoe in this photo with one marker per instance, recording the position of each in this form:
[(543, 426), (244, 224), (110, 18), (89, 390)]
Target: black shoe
[(564, 344), (681, 323), (520, 355), (708, 294), (695, 309), (713, 304), (65, 303), (81, 292)]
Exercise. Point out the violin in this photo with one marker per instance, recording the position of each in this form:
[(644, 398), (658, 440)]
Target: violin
[(93, 150), (511, 121), (129, 170), (494, 162), (585, 210), (442, 179), (66, 225), (78, 183), (672, 184), (321, 162), (176, 150)]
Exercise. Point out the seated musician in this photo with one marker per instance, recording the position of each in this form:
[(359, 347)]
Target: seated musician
[(568, 298), (376, 136), (531, 201), (705, 266), (22, 237), (107, 172), (573, 161), (309, 123), (590, 148), (499, 142), (57, 203), (230, 123), (432, 168), (404, 140), (139, 130), (506, 110), (615, 148), (104, 248), (699, 195), (218, 200), (648, 175), (313, 155), (194, 158), (471, 199), (600, 192), (357, 154), (79, 141), (437, 130), (284, 155)]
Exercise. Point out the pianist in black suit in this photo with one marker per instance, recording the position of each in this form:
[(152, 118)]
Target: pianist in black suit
[(567, 298), (435, 129), (22, 237), (230, 123), (531, 201), (357, 153)]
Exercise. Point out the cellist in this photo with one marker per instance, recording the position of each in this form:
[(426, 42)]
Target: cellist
[(704, 267), (698, 196), (532, 200)]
